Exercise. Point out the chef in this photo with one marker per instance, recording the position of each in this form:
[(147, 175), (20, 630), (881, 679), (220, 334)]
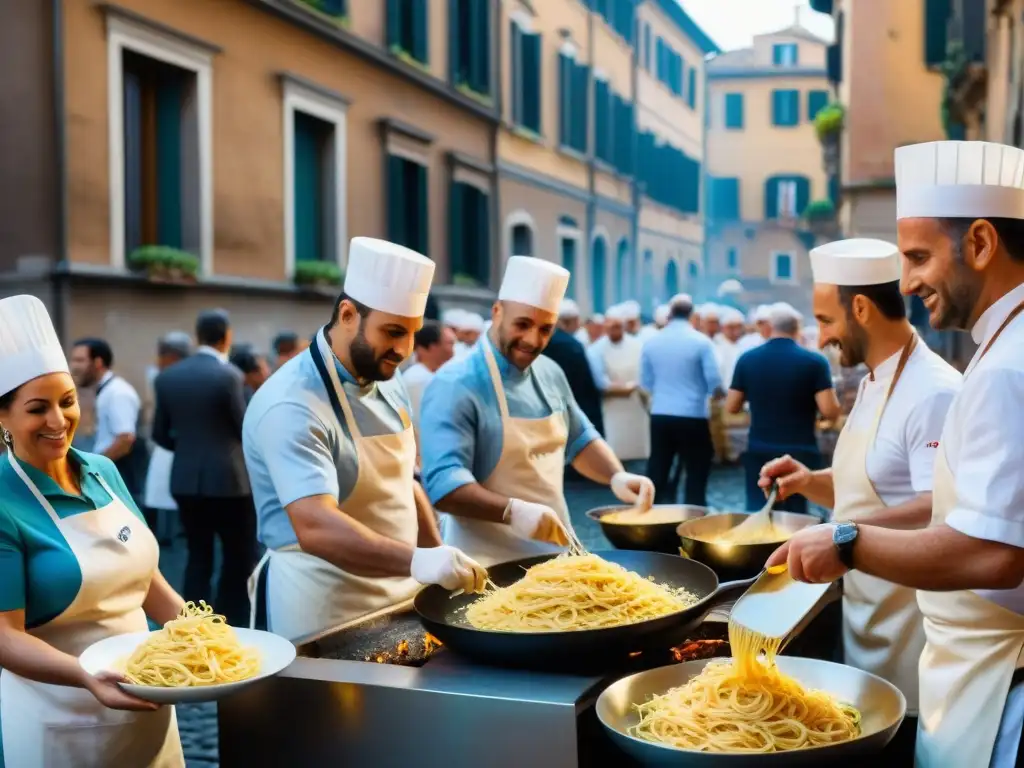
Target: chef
[(631, 312), (960, 223), (882, 467), (330, 451), (761, 319), (503, 423), (615, 362)]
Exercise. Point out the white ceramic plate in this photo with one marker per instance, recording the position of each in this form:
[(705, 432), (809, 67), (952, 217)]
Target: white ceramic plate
[(276, 653)]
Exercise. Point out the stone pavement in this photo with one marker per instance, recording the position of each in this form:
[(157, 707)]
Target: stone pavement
[(198, 723)]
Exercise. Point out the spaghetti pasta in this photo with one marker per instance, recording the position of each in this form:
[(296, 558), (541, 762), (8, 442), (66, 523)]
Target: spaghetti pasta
[(575, 592), (745, 705), (196, 649)]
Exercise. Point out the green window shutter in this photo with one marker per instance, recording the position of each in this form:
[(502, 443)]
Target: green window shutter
[(581, 98), (660, 59), (601, 132), (396, 200), (803, 193), (785, 108), (793, 107), (776, 54), (771, 198), (936, 23), (833, 190), (394, 22), (420, 31), (777, 107), (691, 88), (456, 244), (734, 111), (531, 72), (569, 262), (168, 161), (308, 188), (456, 64), (518, 75), (816, 101), (565, 94), (482, 220), (480, 45), (422, 211)]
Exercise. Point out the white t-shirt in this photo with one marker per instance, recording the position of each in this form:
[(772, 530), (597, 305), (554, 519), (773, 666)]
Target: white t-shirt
[(728, 352), (416, 378), (984, 443), (901, 461), (117, 411)]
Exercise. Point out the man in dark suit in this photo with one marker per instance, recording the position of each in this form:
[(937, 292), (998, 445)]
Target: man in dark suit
[(200, 404), (565, 350)]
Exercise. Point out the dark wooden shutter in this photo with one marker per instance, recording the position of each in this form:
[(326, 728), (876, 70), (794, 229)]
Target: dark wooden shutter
[(531, 74), (420, 31), (396, 199)]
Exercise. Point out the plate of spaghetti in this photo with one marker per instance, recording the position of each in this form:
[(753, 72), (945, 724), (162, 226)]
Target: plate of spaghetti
[(195, 657), (758, 705)]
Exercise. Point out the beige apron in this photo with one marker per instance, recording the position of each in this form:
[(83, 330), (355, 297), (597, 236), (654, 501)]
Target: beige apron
[(882, 626), (626, 420), (54, 726), (530, 468), (973, 648), (306, 594)]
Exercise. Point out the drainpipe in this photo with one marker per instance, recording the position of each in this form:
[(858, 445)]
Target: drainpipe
[(635, 185), (59, 261), (705, 187), (591, 186), (495, 212)]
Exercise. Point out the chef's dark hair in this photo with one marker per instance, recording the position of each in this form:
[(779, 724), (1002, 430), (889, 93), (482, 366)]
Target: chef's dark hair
[(98, 348), (361, 308), (885, 296), (7, 399), (1010, 231)]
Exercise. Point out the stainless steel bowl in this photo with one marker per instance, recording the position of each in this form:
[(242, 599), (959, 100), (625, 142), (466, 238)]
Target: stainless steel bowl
[(653, 537), (881, 705)]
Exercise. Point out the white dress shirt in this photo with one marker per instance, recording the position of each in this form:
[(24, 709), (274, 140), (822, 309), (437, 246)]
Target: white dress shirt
[(416, 378), (901, 460), (117, 411), (728, 353), (984, 443)]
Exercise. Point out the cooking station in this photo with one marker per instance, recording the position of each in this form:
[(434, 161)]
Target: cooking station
[(381, 694)]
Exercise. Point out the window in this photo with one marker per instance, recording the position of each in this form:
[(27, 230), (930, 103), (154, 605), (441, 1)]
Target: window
[(782, 268), (519, 233), (620, 16), (668, 175), (623, 272), (660, 60), (622, 135), (816, 101), (469, 23), (734, 111), (598, 270), (408, 217), (337, 9), (573, 81), (569, 247), (732, 260), (691, 88), (936, 24), (724, 199), (692, 269), (160, 138), (787, 199), (526, 77), (470, 238), (786, 196), (786, 108), (785, 55), (647, 294), (647, 46), (409, 29), (602, 120), (671, 278)]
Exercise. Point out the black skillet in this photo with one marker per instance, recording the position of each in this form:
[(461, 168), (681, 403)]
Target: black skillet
[(444, 617)]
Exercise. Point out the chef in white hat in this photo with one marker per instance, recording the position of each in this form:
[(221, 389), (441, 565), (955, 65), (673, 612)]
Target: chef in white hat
[(882, 467), (503, 424), (661, 317), (468, 329), (569, 316), (960, 224), (77, 565), (631, 312), (615, 362), (761, 319), (331, 454), (710, 320)]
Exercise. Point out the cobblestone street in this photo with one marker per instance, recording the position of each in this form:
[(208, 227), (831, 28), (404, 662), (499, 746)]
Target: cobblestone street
[(198, 723)]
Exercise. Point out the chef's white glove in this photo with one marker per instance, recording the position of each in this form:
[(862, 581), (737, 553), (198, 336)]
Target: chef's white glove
[(535, 521), (450, 567), (633, 489)]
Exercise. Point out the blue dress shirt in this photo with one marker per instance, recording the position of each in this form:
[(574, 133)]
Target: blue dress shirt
[(460, 426), (679, 368)]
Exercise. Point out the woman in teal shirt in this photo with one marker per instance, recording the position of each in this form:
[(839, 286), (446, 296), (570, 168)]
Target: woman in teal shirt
[(77, 565)]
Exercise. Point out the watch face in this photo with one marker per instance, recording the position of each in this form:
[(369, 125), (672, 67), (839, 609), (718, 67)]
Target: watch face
[(844, 534)]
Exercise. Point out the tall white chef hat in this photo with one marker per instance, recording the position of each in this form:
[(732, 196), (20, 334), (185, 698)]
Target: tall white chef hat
[(632, 309), (969, 179), (662, 313), (709, 310), (732, 316), (471, 321), (535, 282), (569, 309), (387, 277), (616, 314), (452, 318), (763, 313), (681, 299), (858, 261), (29, 347), (598, 318)]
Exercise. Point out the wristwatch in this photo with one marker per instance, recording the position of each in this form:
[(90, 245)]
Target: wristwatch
[(843, 536)]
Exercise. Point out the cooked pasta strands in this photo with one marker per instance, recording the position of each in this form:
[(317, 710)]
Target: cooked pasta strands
[(745, 704), (574, 592), (198, 648)]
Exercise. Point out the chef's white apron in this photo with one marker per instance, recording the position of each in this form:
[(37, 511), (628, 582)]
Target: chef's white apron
[(973, 648), (626, 420), (54, 726), (883, 631), (308, 595), (158, 480), (530, 468)]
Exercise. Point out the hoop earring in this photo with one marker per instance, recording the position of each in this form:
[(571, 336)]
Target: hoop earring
[(6, 437)]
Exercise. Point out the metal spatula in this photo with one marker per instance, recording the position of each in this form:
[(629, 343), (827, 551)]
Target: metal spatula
[(777, 605), (758, 523)]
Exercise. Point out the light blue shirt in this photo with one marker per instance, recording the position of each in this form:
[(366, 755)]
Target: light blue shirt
[(295, 447), (460, 421), (679, 368)]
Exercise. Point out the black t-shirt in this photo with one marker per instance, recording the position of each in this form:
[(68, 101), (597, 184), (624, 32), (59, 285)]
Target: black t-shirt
[(780, 380)]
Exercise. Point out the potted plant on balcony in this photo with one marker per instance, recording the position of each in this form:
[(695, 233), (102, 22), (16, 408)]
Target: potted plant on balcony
[(163, 264), (820, 216), (954, 70), (321, 276), (828, 124)]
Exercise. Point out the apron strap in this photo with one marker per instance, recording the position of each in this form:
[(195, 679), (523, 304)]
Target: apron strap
[(499, 388), (908, 350), (32, 487), (999, 332), (323, 358)]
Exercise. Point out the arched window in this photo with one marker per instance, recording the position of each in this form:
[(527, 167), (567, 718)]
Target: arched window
[(623, 272), (522, 240), (598, 273), (520, 234), (693, 270), (786, 197), (648, 279), (672, 278)]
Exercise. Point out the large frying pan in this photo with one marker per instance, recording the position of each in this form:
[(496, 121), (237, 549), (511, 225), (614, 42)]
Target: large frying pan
[(881, 705), (444, 617), (649, 537), (734, 561)]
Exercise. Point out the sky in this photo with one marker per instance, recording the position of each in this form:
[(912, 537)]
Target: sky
[(733, 23)]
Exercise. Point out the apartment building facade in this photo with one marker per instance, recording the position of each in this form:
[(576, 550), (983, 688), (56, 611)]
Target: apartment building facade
[(765, 171), (252, 137), (600, 146)]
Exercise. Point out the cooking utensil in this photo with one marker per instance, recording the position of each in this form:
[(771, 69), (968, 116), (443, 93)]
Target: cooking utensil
[(776, 605), (648, 537), (759, 523), (881, 705), (444, 617), (734, 561)]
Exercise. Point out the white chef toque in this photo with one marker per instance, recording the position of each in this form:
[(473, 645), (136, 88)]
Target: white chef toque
[(763, 313), (662, 314), (632, 309), (959, 179), (387, 277), (681, 299), (732, 317), (709, 310), (857, 261), (535, 282), (616, 314), (29, 347), (471, 321), (569, 309)]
